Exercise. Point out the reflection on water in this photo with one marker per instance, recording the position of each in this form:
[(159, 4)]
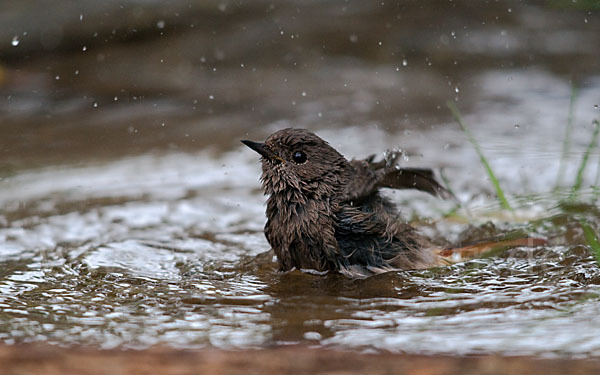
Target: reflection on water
[(169, 249)]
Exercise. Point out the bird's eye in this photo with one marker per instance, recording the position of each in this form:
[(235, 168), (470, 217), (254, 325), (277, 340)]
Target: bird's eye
[(299, 157)]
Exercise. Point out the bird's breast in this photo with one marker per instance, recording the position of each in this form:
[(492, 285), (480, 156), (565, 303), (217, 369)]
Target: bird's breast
[(301, 233)]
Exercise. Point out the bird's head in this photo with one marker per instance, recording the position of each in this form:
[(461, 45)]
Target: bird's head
[(298, 160)]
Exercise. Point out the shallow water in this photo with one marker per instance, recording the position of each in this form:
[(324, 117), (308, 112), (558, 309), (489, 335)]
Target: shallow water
[(131, 216), (168, 248)]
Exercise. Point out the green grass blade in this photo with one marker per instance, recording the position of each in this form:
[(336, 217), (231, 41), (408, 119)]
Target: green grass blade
[(567, 138), (503, 202), (584, 160), (592, 239), (596, 181)]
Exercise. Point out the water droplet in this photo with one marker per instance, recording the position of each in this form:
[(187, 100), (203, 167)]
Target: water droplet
[(303, 93), (595, 106), (81, 16), (281, 32), (319, 114), (84, 48), (211, 97), (57, 77), (517, 126), (77, 72), (456, 89), (15, 41), (453, 34), (397, 69), (223, 7), (353, 38), (380, 43), (162, 124), (404, 62), (509, 10), (242, 65), (116, 98), (95, 104), (160, 24)]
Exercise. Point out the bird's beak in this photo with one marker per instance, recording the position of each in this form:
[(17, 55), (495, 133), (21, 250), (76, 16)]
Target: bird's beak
[(263, 150)]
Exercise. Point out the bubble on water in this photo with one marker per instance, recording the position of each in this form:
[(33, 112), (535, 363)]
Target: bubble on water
[(223, 7), (595, 106), (57, 77), (303, 93), (380, 43), (160, 24), (404, 62), (81, 16), (517, 126), (95, 104), (15, 41), (211, 97), (456, 89), (509, 10), (76, 72), (319, 114), (453, 34), (84, 48), (353, 38), (116, 98)]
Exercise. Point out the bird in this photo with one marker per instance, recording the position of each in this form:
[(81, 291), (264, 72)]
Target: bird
[(326, 213)]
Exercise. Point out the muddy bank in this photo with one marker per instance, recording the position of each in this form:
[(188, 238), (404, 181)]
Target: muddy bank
[(49, 360)]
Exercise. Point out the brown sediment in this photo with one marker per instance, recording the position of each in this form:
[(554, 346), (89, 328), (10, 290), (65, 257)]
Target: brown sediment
[(50, 360)]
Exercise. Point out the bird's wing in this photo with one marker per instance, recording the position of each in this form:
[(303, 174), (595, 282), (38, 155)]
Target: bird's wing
[(370, 175), (372, 236)]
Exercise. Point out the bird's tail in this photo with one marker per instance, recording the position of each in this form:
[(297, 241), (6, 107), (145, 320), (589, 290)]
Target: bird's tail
[(458, 254)]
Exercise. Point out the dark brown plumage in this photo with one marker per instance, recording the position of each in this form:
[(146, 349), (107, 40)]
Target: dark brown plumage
[(325, 213)]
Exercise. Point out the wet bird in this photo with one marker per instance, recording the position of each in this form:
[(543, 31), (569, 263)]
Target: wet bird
[(326, 214)]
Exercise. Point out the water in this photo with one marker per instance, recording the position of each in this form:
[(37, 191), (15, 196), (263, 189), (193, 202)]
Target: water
[(168, 248), (138, 222)]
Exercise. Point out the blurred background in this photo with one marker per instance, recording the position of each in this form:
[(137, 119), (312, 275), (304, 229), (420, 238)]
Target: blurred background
[(87, 80)]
